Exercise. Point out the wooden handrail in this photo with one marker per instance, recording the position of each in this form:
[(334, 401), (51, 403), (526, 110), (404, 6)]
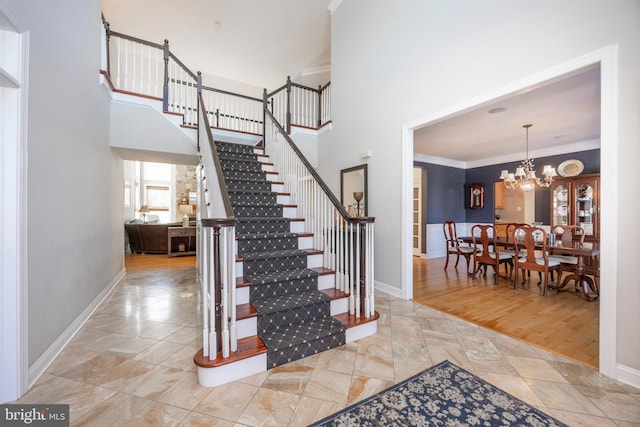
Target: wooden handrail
[(325, 188), (216, 161), (137, 40), (184, 67)]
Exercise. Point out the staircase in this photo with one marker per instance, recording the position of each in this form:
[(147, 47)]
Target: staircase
[(287, 296)]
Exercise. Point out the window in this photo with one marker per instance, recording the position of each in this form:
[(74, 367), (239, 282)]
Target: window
[(158, 197)]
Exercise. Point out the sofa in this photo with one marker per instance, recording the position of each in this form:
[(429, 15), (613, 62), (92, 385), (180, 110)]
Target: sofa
[(152, 238)]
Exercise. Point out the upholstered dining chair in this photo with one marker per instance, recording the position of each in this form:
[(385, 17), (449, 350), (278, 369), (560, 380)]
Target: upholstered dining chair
[(488, 254), (567, 234), (534, 241), (454, 247)]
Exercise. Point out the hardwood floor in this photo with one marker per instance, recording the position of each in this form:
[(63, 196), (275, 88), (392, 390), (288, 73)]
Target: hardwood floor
[(564, 322), (142, 262)]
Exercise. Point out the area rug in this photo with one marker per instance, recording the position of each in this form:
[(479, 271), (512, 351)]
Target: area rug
[(443, 395)]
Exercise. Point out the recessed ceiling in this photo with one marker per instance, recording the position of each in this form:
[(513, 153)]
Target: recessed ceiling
[(255, 42), (565, 115)]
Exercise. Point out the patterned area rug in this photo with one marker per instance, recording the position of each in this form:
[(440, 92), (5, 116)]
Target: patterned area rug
[(443, 395)]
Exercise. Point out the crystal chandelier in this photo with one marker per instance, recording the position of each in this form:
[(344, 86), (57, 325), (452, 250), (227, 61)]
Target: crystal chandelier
[(525, 177)]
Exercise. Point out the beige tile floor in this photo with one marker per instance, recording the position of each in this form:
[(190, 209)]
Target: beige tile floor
[(131, 365)]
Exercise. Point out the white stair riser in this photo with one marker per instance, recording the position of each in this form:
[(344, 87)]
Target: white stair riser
[(277, 188), (362, 331), (339, 306), (314, 261), (283, 199), (289, 212), (213, 377), (326, 281), (273, 177), (267, 168), (242, 295), (305, 242), (247, 327), (296, 226)]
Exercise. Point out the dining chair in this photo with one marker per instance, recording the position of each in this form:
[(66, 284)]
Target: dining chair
[(488, 253), (509, 238), (454, 247), (567, 234), (534, 241)]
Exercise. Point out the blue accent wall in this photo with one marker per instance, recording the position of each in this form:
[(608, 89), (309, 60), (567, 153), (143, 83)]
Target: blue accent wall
[(445, 201), (448, 188)]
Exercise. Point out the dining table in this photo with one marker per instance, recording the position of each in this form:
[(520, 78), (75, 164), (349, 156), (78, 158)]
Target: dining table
[(580, 250)]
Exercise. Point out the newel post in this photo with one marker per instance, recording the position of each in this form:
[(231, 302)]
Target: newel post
[(165, 85), (319, 122), (265, 103), (217, 285), (288, 105), (107, 28), (199, 89)]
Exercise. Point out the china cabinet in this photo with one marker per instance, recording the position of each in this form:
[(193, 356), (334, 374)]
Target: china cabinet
[(576, 201)]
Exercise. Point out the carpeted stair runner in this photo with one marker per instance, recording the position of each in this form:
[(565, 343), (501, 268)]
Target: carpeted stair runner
[(294, 317)]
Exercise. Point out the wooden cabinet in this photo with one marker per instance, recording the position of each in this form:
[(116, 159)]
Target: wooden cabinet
[(498, 193), (576, 201), (180, 233)]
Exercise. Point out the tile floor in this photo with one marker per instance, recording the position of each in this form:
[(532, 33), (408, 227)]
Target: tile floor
[(131, 365)]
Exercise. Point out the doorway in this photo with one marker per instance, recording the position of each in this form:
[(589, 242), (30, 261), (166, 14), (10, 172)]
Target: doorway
[(419, 228), (605, 58)]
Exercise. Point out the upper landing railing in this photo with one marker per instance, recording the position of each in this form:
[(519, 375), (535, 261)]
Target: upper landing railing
[(149, 69)]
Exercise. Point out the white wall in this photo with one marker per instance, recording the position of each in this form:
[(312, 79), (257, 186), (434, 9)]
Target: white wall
[(74, 196), (393, 63)]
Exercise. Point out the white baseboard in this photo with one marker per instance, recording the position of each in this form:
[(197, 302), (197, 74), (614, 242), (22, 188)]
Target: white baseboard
[(43, 362), (388, 289), (628, 375)]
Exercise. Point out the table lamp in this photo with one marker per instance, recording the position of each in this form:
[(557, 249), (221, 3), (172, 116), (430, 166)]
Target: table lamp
[(185, 210), (143, 210)]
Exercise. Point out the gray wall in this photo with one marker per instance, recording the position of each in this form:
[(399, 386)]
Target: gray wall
[(393, 63), (74, 198)]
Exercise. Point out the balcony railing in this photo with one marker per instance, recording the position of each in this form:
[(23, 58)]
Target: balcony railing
[(150, 69)]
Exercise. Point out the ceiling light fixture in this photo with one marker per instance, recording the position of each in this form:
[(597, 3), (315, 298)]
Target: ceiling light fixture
[(525, 177)]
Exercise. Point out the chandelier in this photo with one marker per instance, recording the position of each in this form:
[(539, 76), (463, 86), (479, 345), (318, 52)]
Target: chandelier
[(525, 177)]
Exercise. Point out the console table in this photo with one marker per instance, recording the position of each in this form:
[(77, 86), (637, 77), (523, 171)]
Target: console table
[(174, 232)]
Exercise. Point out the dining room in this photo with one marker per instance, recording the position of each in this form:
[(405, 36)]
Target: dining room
[(477, 190)]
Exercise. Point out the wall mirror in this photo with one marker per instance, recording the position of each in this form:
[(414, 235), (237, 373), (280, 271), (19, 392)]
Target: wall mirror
[(353, 190)]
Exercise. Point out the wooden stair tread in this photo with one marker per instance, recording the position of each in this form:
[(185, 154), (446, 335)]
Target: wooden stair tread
[(334, 293), (322, 271), (245, 311), (247, 347), (350, 320)]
